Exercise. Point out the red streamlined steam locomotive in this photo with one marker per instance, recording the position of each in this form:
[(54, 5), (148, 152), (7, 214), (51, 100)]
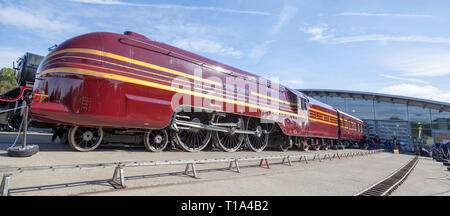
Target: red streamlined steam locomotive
[(125, 88)]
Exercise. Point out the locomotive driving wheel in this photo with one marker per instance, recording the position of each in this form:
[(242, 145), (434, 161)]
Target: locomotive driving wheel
[(286, 144), (230, 141), (256, 142), (325, 145), (305, 143), (193, 139), (156, 140), (85, 139)]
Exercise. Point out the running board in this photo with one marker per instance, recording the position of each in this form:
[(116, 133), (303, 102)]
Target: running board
[(196, 125)]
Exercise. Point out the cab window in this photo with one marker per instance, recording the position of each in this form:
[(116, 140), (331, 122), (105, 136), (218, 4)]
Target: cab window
[(304, 104)]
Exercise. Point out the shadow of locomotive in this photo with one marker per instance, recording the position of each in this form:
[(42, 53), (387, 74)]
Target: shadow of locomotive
[(109, 187)]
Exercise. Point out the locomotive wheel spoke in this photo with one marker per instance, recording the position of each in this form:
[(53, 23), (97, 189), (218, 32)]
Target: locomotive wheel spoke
[(256, 142), (85, 139), (226, 141), (156, 140), (193, 140)]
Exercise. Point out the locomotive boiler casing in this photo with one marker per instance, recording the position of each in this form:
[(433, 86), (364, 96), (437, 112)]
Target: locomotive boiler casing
[(126, 80)]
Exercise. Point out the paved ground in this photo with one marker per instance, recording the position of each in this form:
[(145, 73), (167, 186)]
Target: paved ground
[(429, 178), (335, 177)]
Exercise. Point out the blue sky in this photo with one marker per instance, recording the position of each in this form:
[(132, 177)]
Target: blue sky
[(394, 47)]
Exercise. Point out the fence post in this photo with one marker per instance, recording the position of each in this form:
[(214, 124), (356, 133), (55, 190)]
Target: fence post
[(264, 160), (118, 179), (288, 160), (186, 171), (236, 165), (4, 185)]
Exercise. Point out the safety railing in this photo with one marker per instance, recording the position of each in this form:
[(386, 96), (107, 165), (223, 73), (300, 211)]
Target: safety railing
[(118, 179)]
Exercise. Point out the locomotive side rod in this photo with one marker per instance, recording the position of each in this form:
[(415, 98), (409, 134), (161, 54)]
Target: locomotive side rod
[(214, 127)]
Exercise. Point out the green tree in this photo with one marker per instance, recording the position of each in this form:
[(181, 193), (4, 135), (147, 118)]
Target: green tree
[(7, 80)]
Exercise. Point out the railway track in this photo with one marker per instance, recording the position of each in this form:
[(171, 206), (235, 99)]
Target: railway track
[(386, 186)]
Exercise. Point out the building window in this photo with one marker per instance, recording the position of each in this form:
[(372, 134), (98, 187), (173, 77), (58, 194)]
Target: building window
[(440, 120), (337, 102), (390, 111)]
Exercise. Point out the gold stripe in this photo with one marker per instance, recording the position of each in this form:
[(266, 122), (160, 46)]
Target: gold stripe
[(271, 98), (148, 65), (42, 95), (322, 112), (132, 61), (120, 71), (119, 65), (155, 85), (323, 121)]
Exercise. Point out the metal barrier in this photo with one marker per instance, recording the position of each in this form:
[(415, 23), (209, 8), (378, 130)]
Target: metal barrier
[(118, 179)]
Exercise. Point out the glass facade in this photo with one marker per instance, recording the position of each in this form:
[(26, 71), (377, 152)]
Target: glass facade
[(411, 125)]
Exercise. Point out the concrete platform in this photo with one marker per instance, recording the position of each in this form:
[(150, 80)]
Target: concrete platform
[(328, 177), (429, 178)]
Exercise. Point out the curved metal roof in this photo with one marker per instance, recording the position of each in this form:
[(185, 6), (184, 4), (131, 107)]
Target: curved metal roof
[(438, 105)]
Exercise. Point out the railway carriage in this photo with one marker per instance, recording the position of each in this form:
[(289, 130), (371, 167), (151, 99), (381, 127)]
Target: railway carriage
[(351, 129), (106, 87)]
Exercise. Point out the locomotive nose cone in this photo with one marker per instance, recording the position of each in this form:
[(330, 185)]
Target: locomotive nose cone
[(87, 135)]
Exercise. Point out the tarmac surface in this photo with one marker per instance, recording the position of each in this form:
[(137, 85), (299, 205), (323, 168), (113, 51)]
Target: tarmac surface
[(345, 176)]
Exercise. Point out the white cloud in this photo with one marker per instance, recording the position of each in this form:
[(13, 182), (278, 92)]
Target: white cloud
[(207, 46), (319, 32), (8, 56), (296, 83), (384, 14), (286, 15), (426, 63), (34, 20), (324, 34), (172, 6), (180, 27), (401, 78), (259, 51), (387, 38), (108, 2), (426, 92)]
